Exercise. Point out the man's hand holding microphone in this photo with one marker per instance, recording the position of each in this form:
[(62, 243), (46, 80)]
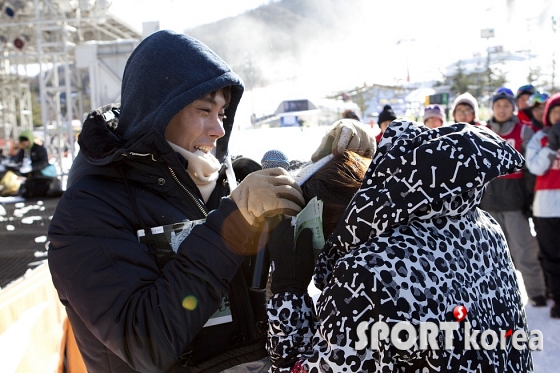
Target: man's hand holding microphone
[(267, 193), (267, 199)]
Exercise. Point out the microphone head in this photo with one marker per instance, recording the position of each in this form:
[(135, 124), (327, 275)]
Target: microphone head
[(275, 158)]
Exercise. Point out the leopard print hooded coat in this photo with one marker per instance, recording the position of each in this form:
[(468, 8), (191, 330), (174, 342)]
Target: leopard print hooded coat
[(412, 246)]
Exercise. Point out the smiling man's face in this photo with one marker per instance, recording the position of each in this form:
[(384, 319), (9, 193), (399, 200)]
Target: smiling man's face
[(199, 125)]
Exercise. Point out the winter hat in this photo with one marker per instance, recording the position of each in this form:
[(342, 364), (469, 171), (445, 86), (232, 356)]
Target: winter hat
[(552, 102), (525, 89), (432, 111), (504, 93), (387, 114), (26, 135), (537, 99), (350, 114), (466, 99)]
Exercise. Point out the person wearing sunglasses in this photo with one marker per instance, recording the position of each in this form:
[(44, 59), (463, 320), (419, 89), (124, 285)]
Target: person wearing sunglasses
[(507, 198), (524, 111), (536, 103), (543, 159)]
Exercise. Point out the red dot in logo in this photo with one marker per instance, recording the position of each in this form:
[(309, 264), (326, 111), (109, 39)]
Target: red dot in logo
[(460, 312)]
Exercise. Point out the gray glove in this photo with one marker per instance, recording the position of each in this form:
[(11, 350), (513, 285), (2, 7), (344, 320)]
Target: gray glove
[(346, 134), (267, 193), (554, 137)]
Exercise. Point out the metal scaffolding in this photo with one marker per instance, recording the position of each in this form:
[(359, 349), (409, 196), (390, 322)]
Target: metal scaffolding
[(40, 37)]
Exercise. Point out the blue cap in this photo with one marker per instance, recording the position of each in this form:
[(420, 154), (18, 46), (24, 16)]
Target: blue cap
[(503, 93), (525, 89)]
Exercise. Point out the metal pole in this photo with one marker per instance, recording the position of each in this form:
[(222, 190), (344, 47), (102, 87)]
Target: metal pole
[(553, 85), (69, 98), (488, 71), (42, 83)]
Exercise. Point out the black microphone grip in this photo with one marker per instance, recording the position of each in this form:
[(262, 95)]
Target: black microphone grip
[(261, 267)]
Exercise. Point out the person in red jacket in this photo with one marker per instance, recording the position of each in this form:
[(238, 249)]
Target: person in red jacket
[(543, 160), (385, 118), (507, 197), (524, 111)]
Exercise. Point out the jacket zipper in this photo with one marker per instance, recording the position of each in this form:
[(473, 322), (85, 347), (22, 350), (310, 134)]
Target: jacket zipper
[(196, 201), (142, 155)]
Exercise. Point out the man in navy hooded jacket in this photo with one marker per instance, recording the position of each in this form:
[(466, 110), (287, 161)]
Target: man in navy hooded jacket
[(154, 162)]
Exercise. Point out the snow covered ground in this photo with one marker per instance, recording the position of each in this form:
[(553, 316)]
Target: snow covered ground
[(547, 360), (299, 144)]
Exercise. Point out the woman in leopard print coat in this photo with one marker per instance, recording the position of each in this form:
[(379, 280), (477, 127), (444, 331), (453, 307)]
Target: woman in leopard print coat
[(412, 246)]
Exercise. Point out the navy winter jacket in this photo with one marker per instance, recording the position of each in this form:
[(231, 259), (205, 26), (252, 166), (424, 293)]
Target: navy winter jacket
[(134, 307)]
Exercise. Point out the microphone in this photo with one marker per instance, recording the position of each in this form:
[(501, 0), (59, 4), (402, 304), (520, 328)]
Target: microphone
[(275, 158), (270, 159)]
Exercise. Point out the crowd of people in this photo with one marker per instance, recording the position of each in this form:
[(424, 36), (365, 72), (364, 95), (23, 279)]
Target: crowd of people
[(27, 172), (154, 242), (521, 118)]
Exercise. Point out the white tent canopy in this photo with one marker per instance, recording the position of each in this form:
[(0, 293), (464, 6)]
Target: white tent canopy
[(419, 95)]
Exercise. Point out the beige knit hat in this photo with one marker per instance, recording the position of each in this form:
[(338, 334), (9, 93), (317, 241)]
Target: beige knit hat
[(467, 99)]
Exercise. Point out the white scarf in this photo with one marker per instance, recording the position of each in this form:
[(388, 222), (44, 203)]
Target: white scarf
[(203, 169)]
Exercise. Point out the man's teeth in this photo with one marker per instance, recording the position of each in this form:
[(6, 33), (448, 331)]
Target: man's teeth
[(205, 150)]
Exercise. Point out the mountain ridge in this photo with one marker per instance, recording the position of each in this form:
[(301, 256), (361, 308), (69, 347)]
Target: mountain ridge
[(281, 40)]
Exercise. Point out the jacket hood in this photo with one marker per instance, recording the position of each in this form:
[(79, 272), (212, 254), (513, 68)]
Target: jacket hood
[(29, 136), (421, 173), (166, 72), (554, 100)]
